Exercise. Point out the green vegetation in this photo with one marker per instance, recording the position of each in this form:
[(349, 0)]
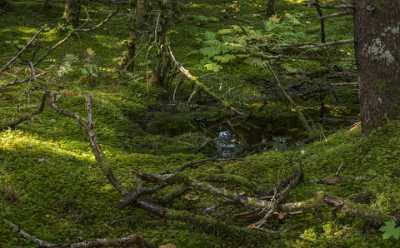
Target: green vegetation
[(49, 182)]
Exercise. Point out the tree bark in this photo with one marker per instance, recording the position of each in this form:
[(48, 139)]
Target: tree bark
[(72, 12), (377, 31), (4, 5), (270, 10), (135, 30)]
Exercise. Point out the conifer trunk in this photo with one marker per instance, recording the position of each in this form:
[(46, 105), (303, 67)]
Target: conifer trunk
[(377, 29)]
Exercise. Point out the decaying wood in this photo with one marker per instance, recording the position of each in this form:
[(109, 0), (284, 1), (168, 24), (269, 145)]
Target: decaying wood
[(88, 126), (295, 178), (183, 216), (101, 23), (27, 236), (230, 178), (280, 194), (119, 242), (132, 196), (187, 74)]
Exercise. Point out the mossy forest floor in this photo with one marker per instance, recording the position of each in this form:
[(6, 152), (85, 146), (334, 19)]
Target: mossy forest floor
[(50, 186)]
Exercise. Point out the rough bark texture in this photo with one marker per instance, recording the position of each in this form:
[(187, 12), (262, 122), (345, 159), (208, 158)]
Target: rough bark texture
[(377, 27), (135, 31), (270, 10), (72, 12)]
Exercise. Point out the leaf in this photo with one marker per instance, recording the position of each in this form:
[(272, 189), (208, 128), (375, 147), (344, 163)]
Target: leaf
[(90, 51), (84, 72), (213, 67), (390, 230), (210, 51), (224, 59), (210, 35), (225, 31)]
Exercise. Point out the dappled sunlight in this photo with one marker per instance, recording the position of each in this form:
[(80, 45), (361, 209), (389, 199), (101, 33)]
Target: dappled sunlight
[(17, 140), (195, 124)]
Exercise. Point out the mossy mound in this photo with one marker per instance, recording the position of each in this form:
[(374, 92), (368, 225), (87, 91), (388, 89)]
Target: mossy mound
[(53, 190)]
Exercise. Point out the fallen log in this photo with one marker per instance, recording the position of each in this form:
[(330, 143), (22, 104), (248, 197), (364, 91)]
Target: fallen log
[(126, 241)]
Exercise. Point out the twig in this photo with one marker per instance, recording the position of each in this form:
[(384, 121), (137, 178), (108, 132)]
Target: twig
[(279, 197), (52, 48), (88, 127), (199, 84), (20, 52), (100, 24), (120, 242), (334, 15), (300, 114), (25, 235), (332, 43), (27, 117)]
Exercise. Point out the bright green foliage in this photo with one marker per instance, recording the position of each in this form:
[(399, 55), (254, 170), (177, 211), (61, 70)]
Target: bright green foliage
[(49, 183), (390, 230)]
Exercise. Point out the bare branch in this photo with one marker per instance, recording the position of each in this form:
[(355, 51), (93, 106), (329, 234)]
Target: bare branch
[(87, 126), (20, 52), (119, 242), (27, 117)]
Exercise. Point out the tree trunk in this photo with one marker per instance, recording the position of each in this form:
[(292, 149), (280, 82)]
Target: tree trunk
[(270, 10), (46, 5), (72, 12), (4, 5), (135, 30), (377, 30)]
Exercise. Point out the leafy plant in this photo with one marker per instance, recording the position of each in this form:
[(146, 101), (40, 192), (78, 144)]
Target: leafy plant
[(67, 65), (89, 71), (248, 45), (390, 230)]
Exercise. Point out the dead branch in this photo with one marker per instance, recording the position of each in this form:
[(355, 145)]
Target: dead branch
[(346, 207), (102, 23), (295, 178), (187, 74), (168, 180), (231, 196), (230, 178), (176, 193), (54, 47), (120, 242), (183, 216), (29, 116), (334, 15), (316, 45), (88, 126), (332, 43), (27, 236), (20, 52), (198, 163), (280, 194)]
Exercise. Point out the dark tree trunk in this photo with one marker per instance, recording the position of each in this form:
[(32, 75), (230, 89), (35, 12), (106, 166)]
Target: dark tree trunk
[(377, 29), (270, 10), (4, 5), (46, 4), (72, 12), (162, 69), (135, 31)]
